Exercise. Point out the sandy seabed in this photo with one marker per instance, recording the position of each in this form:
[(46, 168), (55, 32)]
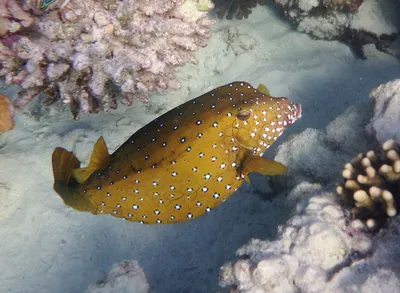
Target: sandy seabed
[(47, 247)]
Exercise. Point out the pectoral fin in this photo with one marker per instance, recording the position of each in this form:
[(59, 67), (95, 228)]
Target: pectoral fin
[(263, 166), (99, 160)]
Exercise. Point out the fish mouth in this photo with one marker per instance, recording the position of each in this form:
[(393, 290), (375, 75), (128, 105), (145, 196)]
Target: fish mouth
[(297, 112)]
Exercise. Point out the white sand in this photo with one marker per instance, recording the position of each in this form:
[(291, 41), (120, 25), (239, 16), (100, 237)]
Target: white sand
[(47, 247)]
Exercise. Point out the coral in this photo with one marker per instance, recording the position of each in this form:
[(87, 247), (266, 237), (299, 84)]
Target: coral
[(13, 18), (350, 5), (386, 120), (104, 51), (240, 8), (311, 247), (347, 20), (372, 185), (126, 276), (6, 114), (41, 6)]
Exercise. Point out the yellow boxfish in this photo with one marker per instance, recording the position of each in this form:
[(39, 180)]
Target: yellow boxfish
[(182, 164)]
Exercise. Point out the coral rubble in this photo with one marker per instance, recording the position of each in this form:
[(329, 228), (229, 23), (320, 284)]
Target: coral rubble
[(6, 114), (372, 184), (99, 52)]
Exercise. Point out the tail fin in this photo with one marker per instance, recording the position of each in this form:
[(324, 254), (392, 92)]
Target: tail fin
[(64, 162)]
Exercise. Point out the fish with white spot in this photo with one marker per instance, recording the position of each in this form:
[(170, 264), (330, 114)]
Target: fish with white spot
[(182, 164)]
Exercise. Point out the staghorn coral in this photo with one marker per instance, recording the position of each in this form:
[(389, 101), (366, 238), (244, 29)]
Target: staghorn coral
[(372, 185), (104, 51), (240, 8)]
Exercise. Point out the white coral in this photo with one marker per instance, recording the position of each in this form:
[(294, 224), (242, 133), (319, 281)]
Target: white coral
[(126, 276), (386, 120)]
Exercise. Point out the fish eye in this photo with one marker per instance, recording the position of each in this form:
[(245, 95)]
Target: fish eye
[(243, 115)]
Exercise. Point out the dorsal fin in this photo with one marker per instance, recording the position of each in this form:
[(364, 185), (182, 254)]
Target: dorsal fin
[(263, 89), (99, 160)]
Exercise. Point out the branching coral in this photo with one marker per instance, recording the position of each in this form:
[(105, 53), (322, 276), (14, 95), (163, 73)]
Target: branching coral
[(12, 17), (240, 8), (372, 185), (103, 51)]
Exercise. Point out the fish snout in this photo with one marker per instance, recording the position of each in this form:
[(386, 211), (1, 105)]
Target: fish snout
[(297, 111)]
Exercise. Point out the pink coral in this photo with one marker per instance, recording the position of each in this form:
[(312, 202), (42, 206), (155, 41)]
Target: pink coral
[(104, 51), (13, 17)]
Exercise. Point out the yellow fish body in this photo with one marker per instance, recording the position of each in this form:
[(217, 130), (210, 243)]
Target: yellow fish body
[(182, 164)]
